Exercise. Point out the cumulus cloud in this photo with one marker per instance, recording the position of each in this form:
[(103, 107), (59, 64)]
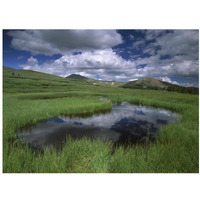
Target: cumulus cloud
[(153, 34), (108, 65), (32, 64), (104, 63), (180, 42), (138, 44), (49, 42), (176, 66), (161, 53), (173, 43), (32, 61), (171, 53), (168, 80)]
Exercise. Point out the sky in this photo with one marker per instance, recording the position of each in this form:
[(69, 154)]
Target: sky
[(120, 55)]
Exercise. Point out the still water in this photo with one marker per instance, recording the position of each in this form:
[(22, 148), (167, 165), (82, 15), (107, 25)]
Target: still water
[(125, 123)]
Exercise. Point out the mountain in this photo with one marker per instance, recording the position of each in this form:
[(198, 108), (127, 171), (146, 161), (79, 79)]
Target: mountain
[(23, 80), (154, 84), (147, 83), (76, 76), (26, 80), (95, 81)]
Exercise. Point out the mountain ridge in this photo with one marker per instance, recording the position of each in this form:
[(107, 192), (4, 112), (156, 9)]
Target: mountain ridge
[(154, 84), (145, 83)]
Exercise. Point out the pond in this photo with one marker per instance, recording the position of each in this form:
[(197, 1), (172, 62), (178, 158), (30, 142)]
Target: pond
[(125, 123)]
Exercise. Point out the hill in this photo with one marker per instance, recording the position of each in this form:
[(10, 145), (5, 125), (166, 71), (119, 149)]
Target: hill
[(18, 80), (76, 76), (95, 81), (146, 83), (154, 84), (20, 73), (33, 81)]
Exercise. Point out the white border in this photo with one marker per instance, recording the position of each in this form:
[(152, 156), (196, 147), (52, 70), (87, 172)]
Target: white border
[(104, 14)]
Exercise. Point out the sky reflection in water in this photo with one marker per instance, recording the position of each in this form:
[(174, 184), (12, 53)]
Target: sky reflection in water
[(124, 122)]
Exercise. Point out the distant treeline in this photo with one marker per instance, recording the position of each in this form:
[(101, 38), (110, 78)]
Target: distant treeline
[(188, 90)]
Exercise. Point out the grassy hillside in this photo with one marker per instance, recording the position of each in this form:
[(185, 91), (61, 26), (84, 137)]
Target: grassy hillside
[(97, 82), (32, 81), (18, 73), (146, 83), (76, 76), (154, 84), (33, 96)]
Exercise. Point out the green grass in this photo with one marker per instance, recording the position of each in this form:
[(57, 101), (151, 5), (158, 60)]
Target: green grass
[(27, 100), (146, 83)]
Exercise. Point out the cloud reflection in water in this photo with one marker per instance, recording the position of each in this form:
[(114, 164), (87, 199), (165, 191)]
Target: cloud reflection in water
[(123, 122)]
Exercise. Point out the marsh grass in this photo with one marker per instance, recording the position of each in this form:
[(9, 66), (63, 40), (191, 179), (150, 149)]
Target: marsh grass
[(176, 150)]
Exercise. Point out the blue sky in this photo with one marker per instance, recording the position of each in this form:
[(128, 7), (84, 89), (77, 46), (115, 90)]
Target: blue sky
[(122, 55)]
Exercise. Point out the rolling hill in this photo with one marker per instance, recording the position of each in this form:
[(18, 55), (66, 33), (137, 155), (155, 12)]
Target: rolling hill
[(27, 80), (154, 84), (95, 81), (76, 76), (147, 83), (32, 81)]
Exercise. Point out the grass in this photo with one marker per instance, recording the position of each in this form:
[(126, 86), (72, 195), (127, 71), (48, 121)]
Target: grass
[(27, 100)]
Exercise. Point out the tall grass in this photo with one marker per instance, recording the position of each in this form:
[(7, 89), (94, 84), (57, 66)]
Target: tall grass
[(176, 150)]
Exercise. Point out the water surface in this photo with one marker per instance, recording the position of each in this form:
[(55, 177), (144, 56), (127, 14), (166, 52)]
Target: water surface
[(125, 123)]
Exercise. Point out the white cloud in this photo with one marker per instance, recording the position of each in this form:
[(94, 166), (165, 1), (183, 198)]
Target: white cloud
[(152, 34), (110, 66), (131, 37), (138, 43), (189, 85), (99, 59), (180, 42), (32, 61), (135, 79), (181, 48), (32, 64), (168, 80), (49, 42), (20, 57), (170, 67), (105, 63)]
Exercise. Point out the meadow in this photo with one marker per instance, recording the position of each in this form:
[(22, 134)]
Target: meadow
[(32, 96)]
